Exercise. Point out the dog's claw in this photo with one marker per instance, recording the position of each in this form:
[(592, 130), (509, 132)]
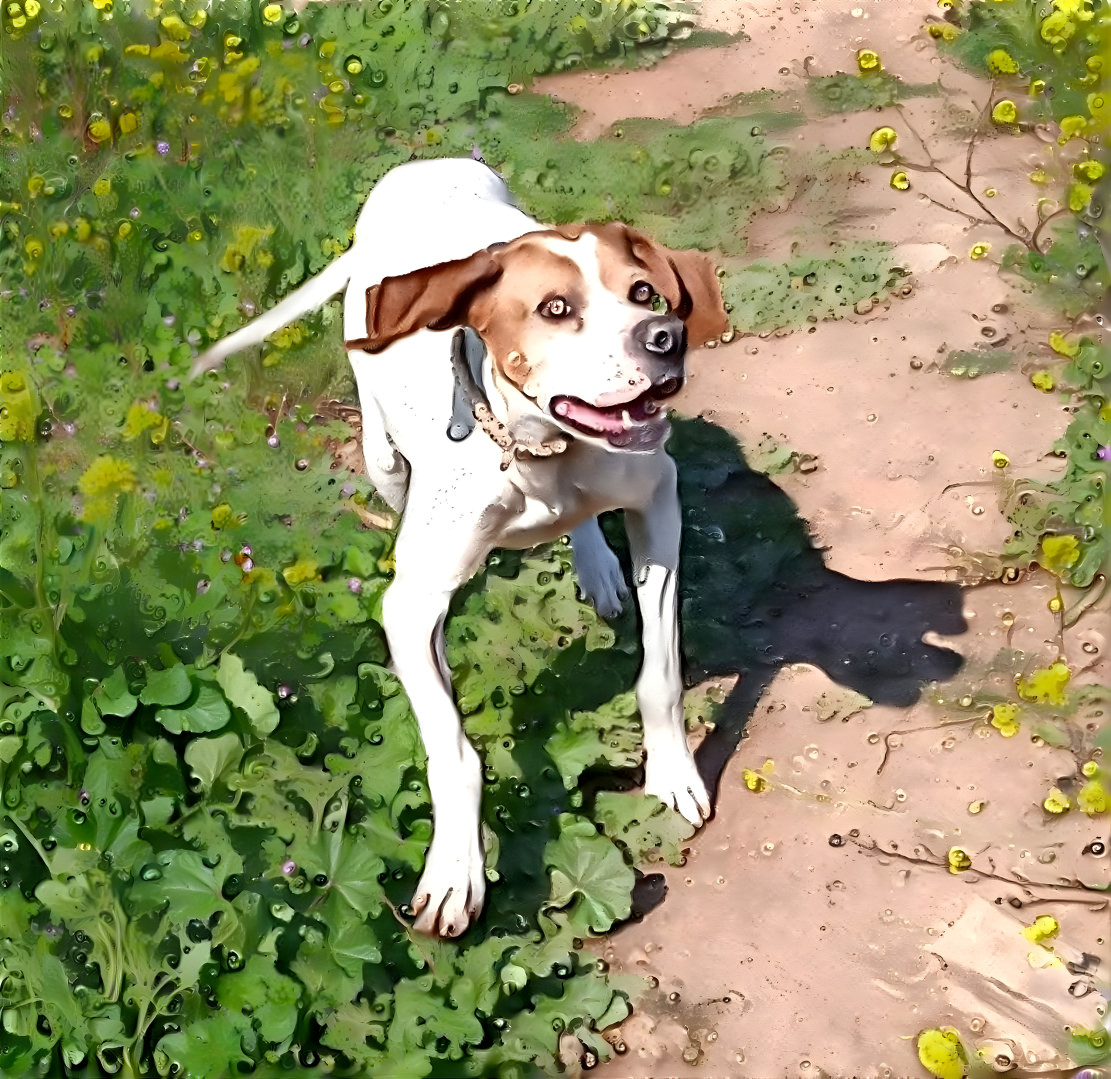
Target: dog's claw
[(449, 895), (679, 786)]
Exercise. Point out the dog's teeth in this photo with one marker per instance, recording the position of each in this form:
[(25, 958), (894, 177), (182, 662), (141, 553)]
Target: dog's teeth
[(626, 419)]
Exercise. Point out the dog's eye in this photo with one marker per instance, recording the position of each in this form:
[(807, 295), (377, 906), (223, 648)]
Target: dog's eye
[(556, 307), (642, 292)]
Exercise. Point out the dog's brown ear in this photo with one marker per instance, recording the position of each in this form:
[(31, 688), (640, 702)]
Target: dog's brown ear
[(434, 298), (701, 308), (686, 279)]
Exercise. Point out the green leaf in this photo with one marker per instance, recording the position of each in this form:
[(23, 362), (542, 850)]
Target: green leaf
[(169, 686), (352, 870), (242, 688), (112, 697), (208, 1048), (181, 883), (207, 712), (648, 829), (590, 880), (211, 758), (261, 991)]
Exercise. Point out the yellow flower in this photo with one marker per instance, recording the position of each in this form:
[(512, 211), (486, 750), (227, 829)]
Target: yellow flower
[(1005, 112), (1093, 798), (942, 1054), (883, 138), (1043, 928), (868, 60), (1001, 62), (17, 408), (943, 30), (1079, 197), (1043, 380), (129, 122), (900, 180), (1004, 718), (246, 239), (1072, 127), (102, 188), (1059, 553), (1046, 686), (999, 459), (1057, 801), (140, 418), (175, 28), (304, 569), (979, 250), (272, 13), (1062, 345), (99, 129), (1089, 170), (754, 781), (223, 516), (102, 483), (959, 860)]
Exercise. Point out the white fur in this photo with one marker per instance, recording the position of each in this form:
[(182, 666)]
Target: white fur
[(459, 504)]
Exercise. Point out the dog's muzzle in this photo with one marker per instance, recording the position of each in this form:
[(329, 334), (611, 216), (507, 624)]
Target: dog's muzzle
[(639, 424)]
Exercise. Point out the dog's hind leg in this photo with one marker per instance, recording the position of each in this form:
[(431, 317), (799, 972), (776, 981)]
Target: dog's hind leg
[(601, 580), (669, 770)]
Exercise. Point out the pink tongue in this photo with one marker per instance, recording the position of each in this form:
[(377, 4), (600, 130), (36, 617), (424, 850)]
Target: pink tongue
[(609, 423)]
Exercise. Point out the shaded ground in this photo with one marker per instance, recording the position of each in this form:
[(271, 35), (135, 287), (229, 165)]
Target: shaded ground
[(816, 927)]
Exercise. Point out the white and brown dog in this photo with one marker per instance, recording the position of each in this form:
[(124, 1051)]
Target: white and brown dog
[(573, 338)]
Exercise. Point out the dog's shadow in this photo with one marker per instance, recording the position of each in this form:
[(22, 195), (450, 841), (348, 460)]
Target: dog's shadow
[(755, 595)]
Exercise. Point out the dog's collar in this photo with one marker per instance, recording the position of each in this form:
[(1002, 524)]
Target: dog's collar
[(529, 436)]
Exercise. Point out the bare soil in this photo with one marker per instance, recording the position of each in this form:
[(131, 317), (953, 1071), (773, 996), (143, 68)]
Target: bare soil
[(816, 927)]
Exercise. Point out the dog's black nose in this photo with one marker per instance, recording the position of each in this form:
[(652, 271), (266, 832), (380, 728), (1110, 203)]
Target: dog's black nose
[(663, 337)]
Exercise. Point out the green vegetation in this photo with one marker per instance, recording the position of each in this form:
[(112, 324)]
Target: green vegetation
[(213, 804), (1051, 65)]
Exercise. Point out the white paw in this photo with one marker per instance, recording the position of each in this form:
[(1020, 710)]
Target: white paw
[(601, 582), (676, 782), (451, 890)]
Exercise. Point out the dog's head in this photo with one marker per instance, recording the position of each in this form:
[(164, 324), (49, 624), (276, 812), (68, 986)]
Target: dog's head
[(590, 323)]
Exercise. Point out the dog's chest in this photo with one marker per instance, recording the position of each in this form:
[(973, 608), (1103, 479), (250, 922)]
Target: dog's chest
[(545, 499)]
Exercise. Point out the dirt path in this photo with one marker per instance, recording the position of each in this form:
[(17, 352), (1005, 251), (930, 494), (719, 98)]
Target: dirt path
[(816, 927)]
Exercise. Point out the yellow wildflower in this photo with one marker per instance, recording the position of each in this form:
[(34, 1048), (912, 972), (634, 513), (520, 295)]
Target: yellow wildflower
[(1046, 686)]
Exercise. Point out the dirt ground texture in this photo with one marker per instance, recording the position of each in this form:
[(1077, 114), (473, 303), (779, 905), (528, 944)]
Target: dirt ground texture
[(816, 927)]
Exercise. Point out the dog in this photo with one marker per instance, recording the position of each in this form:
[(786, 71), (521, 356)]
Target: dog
[(512, 379)]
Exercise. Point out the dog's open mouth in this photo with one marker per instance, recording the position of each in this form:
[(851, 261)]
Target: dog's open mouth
[(637, 424)]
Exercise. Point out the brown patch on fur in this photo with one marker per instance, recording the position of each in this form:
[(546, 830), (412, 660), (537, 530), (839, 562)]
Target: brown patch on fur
[(508, 278), (435, 298), (687, 280), (516, 367), (531, 269)]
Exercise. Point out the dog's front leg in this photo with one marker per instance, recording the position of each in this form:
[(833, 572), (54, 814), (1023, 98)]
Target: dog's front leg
[(452, 887), (669, 772)]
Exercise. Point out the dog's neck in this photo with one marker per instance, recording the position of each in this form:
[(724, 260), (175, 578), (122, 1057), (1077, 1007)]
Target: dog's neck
[(509, 418)]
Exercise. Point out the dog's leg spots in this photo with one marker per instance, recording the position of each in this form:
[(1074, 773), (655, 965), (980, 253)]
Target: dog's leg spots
[(601, 581)]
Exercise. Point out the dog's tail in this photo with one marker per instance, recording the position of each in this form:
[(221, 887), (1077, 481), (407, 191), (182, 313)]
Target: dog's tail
[(311, 295)]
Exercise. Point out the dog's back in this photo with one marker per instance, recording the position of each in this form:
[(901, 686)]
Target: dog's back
[(428, 212)]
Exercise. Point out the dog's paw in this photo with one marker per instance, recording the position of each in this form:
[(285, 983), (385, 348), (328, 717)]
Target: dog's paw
[(676, 782), (601, 582), (451, 891)]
